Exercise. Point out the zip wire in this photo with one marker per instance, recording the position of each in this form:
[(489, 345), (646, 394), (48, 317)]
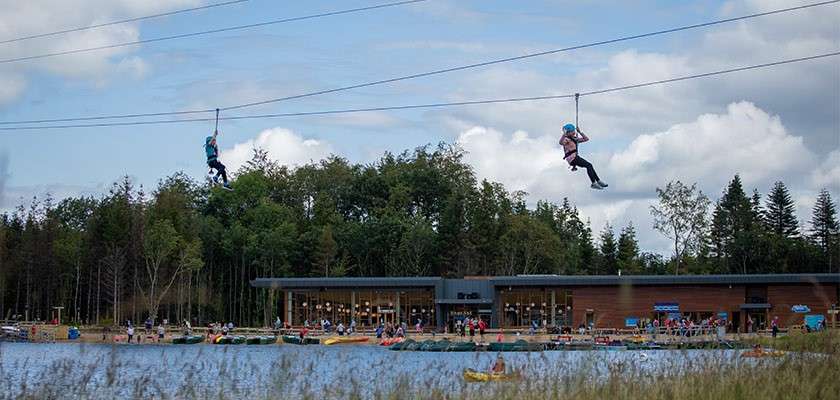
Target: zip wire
[(207, 32), (436, 72), (135, 19), (217, 120), (577, 126), (432, 105)]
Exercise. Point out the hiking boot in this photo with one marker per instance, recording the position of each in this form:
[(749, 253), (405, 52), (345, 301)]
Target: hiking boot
[(226, 186), (602, 184), (595, 185)]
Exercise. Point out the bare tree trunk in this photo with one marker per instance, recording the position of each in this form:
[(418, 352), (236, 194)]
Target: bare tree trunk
[(76, 294), (98, 287)]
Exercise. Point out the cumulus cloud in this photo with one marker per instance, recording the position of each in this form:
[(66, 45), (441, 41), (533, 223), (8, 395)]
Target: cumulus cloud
[(827, 175), (804, 94), (282, 145), (708, 150)]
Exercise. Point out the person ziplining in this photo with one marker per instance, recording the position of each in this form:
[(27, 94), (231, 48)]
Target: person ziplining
[(570, 142), (212, 151)]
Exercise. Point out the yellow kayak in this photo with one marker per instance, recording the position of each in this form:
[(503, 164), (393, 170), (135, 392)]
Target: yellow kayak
[(471, 375), (762, 354), (345, 339)]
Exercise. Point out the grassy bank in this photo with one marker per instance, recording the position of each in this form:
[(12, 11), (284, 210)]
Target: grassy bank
[(823, 342), (301, 374)]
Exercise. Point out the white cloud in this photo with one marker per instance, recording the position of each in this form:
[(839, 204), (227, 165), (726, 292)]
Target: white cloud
[(282, 145), (709, 150), (11, 85), (32, 17), (827, 175)]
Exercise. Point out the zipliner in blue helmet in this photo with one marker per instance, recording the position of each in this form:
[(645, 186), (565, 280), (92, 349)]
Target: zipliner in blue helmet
[(570, 141)]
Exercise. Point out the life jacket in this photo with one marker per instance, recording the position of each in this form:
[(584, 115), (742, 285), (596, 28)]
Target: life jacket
[(212, 151)]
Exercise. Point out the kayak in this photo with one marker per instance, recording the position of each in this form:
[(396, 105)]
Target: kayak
[(440, 345), (403, 345), (296, 340), (345, 340), (391, 341), (228, 339), (461, 346), (609, 347), (762, 353), (519, 345), (261, 340), (426, 345), (471, 375), (192, 339)]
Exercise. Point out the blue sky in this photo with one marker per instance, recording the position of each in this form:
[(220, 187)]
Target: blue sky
[(794, 108)]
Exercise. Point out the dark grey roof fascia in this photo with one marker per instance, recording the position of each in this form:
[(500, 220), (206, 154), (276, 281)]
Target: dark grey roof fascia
[(755, 306), (464, 301), (396, 282), (587, 280)]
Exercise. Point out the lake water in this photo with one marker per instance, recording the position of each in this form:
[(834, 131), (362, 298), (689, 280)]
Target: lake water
[(71, 370)]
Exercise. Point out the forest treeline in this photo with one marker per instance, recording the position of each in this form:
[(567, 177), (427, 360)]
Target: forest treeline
[(186, 250)]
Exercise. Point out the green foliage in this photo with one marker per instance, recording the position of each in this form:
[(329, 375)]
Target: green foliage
[(681, 217), (189, 250)]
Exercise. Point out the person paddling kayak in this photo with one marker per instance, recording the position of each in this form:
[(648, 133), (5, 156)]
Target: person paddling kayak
[(498, 366), (570, 142)]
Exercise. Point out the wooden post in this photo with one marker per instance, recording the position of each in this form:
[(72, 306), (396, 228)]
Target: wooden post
[(553, 307)]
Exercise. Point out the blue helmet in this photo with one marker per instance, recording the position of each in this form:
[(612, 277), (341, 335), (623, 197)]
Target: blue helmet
[(568, 128)]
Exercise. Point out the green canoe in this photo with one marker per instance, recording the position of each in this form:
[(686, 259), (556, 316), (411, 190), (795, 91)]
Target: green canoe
[(426, 345), (401, 345), (231, 340), (440, 345), (261, 340), (296, 340), (519, 345), (192, 339), (461, 346)]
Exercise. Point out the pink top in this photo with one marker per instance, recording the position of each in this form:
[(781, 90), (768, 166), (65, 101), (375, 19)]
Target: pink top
[(570, 143)]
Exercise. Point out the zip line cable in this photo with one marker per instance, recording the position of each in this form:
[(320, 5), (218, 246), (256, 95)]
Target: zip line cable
[(433, 105), (532, 55), (135, 19), (207, 32), (414, 76)]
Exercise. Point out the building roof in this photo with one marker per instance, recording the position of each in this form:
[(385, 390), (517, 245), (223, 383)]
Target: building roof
[(541, 280), (615, 280), (281, 283)]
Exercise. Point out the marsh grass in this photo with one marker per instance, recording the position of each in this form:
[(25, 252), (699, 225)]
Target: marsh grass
[(301, 375)]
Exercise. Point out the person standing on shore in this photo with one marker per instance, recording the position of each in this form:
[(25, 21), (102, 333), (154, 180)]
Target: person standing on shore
[(161, 332), (129, 332), (774, 326)]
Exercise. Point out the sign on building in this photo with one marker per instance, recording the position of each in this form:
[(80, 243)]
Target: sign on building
[(800, 308), (667, 307)]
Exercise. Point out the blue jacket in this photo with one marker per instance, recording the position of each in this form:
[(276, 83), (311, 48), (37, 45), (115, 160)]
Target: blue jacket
[(211, 150)]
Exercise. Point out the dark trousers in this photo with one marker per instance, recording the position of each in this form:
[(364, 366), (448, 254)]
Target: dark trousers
[(220, 169), (590, 170)]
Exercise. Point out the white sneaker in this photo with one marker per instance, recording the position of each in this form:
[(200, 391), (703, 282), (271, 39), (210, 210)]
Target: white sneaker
[(602, 184), (595, 185)]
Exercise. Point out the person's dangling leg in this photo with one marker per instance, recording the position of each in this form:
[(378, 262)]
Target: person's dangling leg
[(590, 170), (221, 171)]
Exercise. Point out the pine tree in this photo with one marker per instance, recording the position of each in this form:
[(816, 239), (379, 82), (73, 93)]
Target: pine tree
[(628, 250), (779, 213), (608, 251), (825, 228)]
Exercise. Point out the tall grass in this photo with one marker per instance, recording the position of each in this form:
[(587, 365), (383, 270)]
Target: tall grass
[(599, 375)]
